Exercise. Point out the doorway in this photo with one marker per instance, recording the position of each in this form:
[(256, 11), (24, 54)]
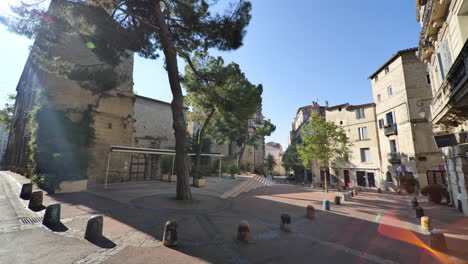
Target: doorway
[(361, 178), (370, 179), (346, 178)]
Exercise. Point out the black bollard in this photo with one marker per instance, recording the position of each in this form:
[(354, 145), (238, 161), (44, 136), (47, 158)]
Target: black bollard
[(419, 212), (285, 222), (414, 202), (170, 234), (94, 228), (52, 215), (35, 203), (26, 191), (337, 200)]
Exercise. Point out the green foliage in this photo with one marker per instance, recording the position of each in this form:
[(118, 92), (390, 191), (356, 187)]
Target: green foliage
[(270, 162), (234, 169), (6, 114), (291, 159), (408, 179), (323, 141), (59, 147)]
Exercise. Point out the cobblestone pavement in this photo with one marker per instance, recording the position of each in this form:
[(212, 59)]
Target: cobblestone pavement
[(367, 229)]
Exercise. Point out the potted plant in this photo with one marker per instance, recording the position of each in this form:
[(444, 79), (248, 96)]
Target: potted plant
[(409, 183), (234, 171), (435, 192), (200, 180)]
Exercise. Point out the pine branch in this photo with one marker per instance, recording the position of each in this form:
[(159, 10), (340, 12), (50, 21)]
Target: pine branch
[(187, 57)]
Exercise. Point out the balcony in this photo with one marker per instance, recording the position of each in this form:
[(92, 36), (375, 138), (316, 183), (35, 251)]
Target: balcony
[(394, 157), (450, 103), (390, 130)]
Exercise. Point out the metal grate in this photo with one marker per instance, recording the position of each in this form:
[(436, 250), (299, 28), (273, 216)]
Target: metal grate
[(31, 220)]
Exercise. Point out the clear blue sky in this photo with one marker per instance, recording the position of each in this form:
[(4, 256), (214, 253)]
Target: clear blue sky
[(300, 51)]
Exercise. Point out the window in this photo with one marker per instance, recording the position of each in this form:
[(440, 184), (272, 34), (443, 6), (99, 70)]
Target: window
[(378, 98), (428, 78), (376, 78), (109, 125), (341, 122), (389, 117), (386, 70), (362, 133), (359, 113), (381, 123), (339, 109), (393, 146), (365, 155), (390, 91)]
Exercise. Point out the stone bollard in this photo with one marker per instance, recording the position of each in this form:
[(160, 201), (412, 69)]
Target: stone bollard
[(243, 231), (94, 228), (337, 200), (351, 193), (437, 240), (344, 197), (355, 192), (35, 203), (310, 212), (326, 205), (419, 212), (285, 222), (414, 202), (379, 190), (52, 215), (26, 191), (170, 234), (426, 223)]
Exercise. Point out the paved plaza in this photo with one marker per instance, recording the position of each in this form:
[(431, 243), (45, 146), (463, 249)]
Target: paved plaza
[(370, 228)]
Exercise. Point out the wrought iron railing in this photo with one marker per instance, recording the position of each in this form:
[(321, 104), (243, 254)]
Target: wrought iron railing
[(390, 129)]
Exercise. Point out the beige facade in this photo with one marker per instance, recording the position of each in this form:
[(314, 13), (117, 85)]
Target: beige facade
[(359, 123), (443, 47), (276, 150), (402, 97)]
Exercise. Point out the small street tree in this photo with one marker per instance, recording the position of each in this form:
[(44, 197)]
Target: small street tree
[(112, 27), (270, 163), (291, 159), (323, 141), (6, 114), (230, 96)]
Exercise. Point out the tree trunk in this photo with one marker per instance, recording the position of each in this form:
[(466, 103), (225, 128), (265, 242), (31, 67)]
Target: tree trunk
[(177, 106), (326, 180), (199, 144), (240, 155)]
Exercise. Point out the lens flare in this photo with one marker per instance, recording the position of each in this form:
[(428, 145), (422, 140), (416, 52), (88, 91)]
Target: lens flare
[(409, 237)]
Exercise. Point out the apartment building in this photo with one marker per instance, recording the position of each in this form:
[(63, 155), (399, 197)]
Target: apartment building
[(443, 47), (402, 97), (276, 150), (359, 123)]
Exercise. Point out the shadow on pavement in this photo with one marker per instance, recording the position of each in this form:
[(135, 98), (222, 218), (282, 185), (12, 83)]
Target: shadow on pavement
[(59, 227)]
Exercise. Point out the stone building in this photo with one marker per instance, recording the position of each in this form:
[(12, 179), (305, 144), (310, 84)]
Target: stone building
[(276, 150), (3, 143), (359, 123), (302, 117), (443, 47), (402, 96), (56, 116)]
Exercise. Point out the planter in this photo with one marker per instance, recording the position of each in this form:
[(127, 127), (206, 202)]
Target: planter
[(173, 178), (165, 177), (200, 182), (234, 176), (409, 188), (435, 197), (225, 175), (72, 186)]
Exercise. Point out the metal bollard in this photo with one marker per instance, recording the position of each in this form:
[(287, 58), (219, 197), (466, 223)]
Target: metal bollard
[(326, 205), (426, 223), (419, 212), (437, 240), (243, 231), (337, 200), (170, 234), (310, 212), (285, 222)]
